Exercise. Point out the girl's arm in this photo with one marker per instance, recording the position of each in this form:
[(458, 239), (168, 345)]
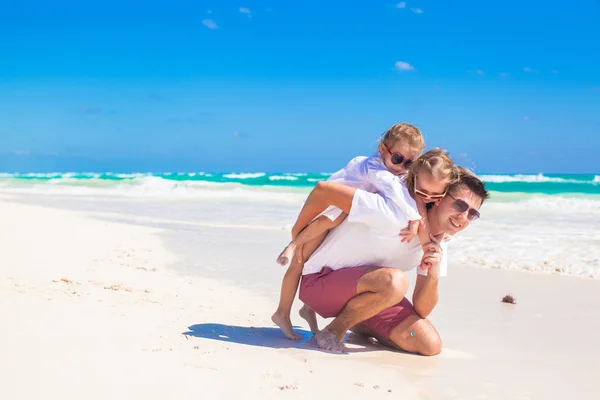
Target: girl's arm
[(323, 195)]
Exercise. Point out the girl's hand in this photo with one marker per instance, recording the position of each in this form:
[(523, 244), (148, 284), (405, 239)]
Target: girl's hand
[(409, 233)]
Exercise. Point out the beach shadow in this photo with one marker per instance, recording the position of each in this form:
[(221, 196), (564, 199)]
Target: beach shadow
[(270, 337)]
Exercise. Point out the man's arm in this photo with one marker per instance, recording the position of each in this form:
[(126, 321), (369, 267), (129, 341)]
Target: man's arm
[(324, 194), (426, 295)]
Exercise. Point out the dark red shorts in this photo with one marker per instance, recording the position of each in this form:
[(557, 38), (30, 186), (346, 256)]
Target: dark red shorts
[(328, 291)]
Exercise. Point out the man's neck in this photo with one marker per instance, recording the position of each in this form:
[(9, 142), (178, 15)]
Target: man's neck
[(434, 227)]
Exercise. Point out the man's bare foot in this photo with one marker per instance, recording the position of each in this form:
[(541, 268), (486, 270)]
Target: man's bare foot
[(286, 255), (328, 341), (310, 317), (362, 330), (283, 321)]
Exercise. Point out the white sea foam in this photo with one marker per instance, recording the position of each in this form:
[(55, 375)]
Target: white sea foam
[(244, 175), (550, 234), (596, 179), (539, 178), (283, 178), (128, 176), (148, 187)]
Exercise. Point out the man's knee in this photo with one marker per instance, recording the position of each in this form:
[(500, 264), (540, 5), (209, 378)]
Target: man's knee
[(396, 283), (393, 283), (429, 340)]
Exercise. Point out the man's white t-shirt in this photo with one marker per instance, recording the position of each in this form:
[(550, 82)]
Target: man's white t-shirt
[(369, 237)]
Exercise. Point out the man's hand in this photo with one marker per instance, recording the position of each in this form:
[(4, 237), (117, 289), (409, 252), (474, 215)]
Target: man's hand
[(409, 233), (432, 256)]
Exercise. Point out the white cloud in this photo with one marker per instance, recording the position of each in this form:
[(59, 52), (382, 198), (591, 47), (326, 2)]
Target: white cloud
[(246, 11), (402, 4), (417, 10), (239, 134), (403, 66), (209, 23), (527, 69), (504, 74), (479, 72), (21, 152)]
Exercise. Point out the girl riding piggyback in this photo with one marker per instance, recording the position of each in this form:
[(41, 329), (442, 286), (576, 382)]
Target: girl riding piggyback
[(383, 173)]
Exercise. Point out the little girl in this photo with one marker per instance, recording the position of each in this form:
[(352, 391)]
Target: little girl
[(398, 148)]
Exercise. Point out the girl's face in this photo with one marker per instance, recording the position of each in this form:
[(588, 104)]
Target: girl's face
[(428, 189), (399, 157)]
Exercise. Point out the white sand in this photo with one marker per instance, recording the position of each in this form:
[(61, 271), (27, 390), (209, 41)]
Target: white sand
[(90, 310)]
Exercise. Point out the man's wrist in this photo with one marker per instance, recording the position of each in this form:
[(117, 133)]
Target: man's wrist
[(434, 273)]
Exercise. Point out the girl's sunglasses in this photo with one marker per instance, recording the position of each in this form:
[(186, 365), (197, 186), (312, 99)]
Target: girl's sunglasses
[(461, 206), (426, 196), (398, 158)]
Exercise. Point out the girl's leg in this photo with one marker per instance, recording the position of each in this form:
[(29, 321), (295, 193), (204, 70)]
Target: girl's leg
[(312, 231), (289, 287), (306, 312), (291, 280)]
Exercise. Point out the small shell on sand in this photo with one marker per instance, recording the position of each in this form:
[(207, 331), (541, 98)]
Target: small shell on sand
[(509, 299)]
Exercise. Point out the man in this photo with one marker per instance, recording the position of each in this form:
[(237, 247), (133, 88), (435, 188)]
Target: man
[(356, 275)]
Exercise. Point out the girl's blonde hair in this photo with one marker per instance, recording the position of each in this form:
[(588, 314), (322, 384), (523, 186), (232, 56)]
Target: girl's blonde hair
[(405, 133), (435, 162)]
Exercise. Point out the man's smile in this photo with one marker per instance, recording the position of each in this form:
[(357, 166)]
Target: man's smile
[(455, 223)]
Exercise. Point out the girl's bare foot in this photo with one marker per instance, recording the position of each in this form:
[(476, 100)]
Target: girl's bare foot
[(283, 321), (309, 315), (286, 255)]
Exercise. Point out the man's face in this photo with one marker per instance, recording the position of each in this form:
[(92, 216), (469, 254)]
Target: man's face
[(448, 218)]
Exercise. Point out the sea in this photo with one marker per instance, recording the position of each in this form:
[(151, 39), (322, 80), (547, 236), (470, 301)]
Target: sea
[(534, 223)]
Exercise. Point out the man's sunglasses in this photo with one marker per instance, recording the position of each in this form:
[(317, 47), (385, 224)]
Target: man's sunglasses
[(461, 206), (398, 158)]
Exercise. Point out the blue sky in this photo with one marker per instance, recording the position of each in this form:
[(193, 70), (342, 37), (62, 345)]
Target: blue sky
[(507, 87)]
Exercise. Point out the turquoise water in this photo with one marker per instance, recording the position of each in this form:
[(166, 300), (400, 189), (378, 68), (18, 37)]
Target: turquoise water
[(546, 223), (521, 183)]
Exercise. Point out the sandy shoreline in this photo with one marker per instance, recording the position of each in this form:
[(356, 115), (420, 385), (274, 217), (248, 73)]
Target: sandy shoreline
[(92, 309)]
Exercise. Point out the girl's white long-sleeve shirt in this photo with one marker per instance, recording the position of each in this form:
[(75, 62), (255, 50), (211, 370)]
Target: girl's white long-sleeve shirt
[(370, 174)]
